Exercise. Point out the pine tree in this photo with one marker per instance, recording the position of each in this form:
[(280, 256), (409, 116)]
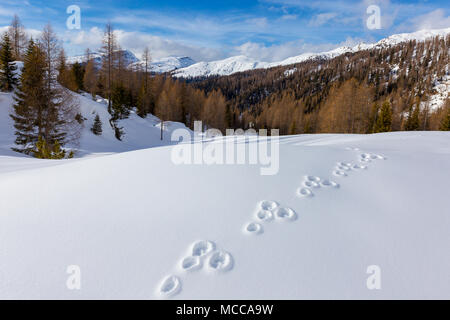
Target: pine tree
[(7, 77), (40, 102), (412, 123), (373, 118), (78, 76), (121, 102), (44, 151), (97, 126), (65, 78), (28, 112), (384, 121)]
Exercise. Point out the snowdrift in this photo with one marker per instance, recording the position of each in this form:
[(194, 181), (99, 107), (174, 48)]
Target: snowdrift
[(139, 226)]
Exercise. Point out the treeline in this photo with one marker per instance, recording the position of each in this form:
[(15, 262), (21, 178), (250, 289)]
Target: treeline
[(344, 94)]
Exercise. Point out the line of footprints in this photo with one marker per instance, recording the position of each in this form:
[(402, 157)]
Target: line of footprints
[(269, 210), (205, 254)]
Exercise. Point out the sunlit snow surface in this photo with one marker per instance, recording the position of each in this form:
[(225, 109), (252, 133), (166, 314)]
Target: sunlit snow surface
[(141, 227)]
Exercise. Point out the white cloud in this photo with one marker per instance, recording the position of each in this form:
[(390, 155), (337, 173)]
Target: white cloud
[(136, 42), (434, 20), (280, 52), (322, 18), (29, 32), (289, 17), (258, 22)]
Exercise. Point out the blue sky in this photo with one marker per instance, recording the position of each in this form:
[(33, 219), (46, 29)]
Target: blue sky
[(268, 30)]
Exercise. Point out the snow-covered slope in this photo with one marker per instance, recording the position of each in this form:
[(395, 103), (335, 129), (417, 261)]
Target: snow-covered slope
[(129, 58), (130, 221), (158, 66), (221, 67), (138, 133), (241, 63), (166, 64)]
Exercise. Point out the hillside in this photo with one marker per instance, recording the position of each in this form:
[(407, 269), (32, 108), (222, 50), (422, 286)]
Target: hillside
[(139, 133)]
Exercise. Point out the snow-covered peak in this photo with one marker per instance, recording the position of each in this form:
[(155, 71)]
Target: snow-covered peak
[(221, 67), (242, 63), (129, 57), (421, 35), (166, 64)]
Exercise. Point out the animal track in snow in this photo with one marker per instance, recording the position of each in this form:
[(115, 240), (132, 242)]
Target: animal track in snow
[(267, 211), (268, 205), (264, 215), (170, 286), (285, 214), (191, 263), (220, 261), (202, 248), (344, 164), (304, 192), (311, 184), (312, 179), (254, 228), (368, 157), (329, 183), (200, 251), (339, 173)]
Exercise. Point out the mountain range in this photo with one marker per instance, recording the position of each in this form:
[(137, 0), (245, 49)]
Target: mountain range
[(242, 63), (185, 67)]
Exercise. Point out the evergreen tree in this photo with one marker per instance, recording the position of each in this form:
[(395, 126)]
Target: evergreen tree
[(44, 151), (413, 119), (40, 102), (121, 102), (78, 76), (28, 111), (384, 121), (7, 77), (65, 78), (373, 118), (97, 126)]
